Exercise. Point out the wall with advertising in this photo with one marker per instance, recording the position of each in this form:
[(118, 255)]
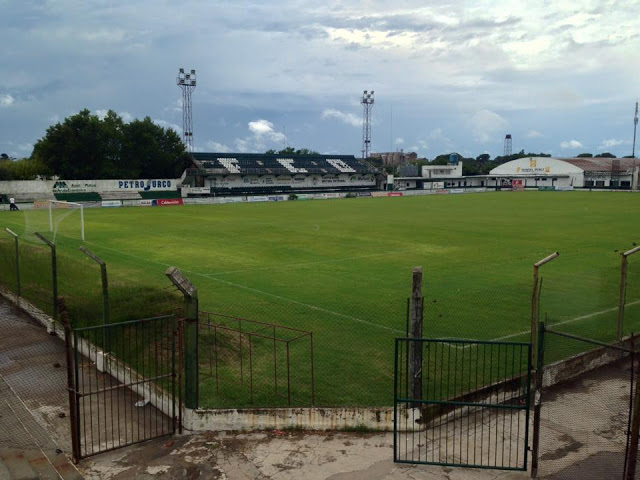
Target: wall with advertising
[(43, 187), (294, 181)]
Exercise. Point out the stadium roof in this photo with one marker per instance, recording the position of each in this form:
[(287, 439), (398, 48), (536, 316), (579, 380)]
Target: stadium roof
[(265, 164), (601, 164)]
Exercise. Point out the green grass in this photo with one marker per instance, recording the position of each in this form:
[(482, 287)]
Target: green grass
[(342, 269)]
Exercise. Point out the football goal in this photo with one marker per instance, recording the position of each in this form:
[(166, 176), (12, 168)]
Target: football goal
[(59, 210)]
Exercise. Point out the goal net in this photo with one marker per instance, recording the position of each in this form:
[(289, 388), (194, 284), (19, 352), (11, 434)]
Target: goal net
[(55, 216)]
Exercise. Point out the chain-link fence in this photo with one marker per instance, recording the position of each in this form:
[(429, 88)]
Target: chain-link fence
[(76, 277), (354, 312), (586, 405)]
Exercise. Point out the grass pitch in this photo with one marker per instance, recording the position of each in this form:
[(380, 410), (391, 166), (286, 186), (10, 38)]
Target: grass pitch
[(342, 269)]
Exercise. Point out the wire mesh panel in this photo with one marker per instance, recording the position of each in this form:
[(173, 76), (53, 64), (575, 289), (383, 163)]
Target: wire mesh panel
[(585, 413), (462, 403), (125, 383), (250, 363)]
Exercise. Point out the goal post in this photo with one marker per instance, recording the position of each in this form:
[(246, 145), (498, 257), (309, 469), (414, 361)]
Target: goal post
[(59, 204)]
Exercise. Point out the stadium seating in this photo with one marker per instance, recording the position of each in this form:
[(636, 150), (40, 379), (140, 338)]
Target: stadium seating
[(247, 164)]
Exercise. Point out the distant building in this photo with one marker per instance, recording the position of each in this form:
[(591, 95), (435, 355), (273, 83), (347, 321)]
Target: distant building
[(393, 159), (597, 172)]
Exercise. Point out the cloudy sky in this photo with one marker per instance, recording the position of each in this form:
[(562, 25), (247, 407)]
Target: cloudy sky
[(561, 77)]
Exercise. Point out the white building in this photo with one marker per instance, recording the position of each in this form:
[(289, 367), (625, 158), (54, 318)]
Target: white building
[(536, 172)]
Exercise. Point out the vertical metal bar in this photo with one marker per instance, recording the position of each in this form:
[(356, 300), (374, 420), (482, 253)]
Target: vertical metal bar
[(240, 350), (97, 391), (288, 377), (313, 379), (495, 461), (54, 273), (635, 431), (71, 390), (251, 369), (78, 391), (623, 294), (181, 368), (395, 401), (632, 372), (134, 360), (173, 378), (540, 345), (275, 363), (215, 350)]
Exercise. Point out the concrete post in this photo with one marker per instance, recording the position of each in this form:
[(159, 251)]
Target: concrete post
[(190, 335), (105, 283), (535, 305), (415, 360), (54, 272)]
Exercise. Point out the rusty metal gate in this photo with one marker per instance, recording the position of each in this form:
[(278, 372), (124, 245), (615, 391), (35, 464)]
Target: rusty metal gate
[(122, 383), (462, 403)]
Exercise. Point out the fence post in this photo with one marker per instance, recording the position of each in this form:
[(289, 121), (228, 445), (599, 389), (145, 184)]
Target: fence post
[(635, 431), (105, 283), (54, 272), (15, 236), (190, 336), (535, 303), (623, 288), (537, 402), (416, 333), (71, 389)]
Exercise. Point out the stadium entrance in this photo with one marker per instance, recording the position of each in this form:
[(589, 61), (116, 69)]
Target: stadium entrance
[(462, 403)]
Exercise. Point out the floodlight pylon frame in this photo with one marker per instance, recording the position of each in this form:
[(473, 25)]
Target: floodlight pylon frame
[(187, 83), (367, 102)]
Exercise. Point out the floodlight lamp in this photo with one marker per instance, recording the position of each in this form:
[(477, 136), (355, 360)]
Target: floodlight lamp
[(371, 92), (193, 72), (182, 70), (365, 92)]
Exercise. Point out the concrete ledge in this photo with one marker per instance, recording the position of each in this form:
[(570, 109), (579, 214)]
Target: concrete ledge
[(572, 367), (315, 418)]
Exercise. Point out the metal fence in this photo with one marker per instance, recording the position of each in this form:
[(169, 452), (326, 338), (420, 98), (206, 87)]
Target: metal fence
[(585, 408), (250, 363), (122, 383), (462, 403)]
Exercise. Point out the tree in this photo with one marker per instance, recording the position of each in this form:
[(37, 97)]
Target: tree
[(292, 151), (84, 146), (585, 155), (606, 155)]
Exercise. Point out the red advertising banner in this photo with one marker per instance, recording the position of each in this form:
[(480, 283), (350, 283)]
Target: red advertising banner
[(517, 186), (166, 202), (395, 194)]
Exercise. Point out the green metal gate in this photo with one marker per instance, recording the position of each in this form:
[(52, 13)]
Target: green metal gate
[(462, 403)]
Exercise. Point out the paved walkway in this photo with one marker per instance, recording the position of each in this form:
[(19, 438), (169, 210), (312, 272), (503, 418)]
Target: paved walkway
[(34, 418)]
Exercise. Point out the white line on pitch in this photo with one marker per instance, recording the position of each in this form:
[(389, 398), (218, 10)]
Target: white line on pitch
[(315, 262), (571, 320), (313, 307)]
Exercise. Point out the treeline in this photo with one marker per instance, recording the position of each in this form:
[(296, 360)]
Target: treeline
[(85, 146)]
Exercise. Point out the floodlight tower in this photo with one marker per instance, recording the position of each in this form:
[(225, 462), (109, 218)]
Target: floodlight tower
[(507, 145), (367, 103), (187, 83), (635, 126)]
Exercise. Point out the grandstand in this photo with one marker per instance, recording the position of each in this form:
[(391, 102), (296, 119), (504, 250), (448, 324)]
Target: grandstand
[(243, 173)]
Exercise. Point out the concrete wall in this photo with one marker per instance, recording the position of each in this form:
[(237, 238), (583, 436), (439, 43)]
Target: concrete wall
[(49, 187)]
